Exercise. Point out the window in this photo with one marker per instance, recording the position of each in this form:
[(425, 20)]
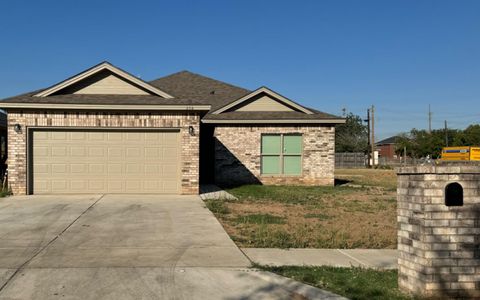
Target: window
[(281, 154)]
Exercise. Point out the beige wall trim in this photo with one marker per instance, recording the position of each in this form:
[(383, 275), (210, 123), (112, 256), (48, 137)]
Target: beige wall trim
[(268, 92), (320, 121), (98, 68), (105, 106)]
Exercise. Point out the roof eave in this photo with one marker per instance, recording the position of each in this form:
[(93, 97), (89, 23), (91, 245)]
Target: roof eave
[(276, 121), (150, 107)]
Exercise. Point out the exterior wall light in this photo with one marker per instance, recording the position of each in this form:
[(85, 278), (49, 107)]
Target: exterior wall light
[(191, 130), (17, 127)]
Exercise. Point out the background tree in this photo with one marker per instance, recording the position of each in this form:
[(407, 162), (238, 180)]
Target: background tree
[(351, 136), (469, 137), (420, 143)]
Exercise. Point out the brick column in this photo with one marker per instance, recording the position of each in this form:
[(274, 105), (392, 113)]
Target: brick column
[(439, 245)]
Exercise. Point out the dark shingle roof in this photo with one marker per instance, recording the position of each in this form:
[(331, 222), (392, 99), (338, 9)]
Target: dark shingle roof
[(269, 115), (390, 140), (187, 88), (102, 99), (186, 84)]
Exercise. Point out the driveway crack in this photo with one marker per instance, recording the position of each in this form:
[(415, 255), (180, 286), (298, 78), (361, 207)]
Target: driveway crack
[(48, 244)]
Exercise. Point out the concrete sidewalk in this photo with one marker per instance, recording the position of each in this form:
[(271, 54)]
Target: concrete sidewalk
[(127, 247), (368, 258)]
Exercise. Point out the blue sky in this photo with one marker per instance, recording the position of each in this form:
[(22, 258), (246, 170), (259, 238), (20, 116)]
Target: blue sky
[(400, 55)]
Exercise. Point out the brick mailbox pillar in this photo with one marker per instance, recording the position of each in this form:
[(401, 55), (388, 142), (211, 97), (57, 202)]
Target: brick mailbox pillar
[(439, 230)]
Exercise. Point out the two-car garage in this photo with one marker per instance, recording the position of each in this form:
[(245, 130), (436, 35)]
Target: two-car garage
[(88, 160)]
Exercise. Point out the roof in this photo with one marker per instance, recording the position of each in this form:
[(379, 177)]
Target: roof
[(103, 66), (261, 90), (261, 116), (207, 90), (390, 140), (182, 90), (101, 99)]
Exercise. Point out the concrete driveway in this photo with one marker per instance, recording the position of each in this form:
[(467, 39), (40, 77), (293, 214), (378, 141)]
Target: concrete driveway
[(127, 247)]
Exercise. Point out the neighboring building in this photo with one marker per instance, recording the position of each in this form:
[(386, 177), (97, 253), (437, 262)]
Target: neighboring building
[(386, 147), (106, 131)]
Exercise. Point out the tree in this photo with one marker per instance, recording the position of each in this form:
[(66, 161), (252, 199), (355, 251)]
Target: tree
[(469, 137), (420, 143), (351, 136)]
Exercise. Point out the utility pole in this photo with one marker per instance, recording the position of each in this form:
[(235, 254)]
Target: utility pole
[(373, 135), (429, 119), (368, 131), (446, 134)]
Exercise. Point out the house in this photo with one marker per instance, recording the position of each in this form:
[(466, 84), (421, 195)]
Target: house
[(386, 148), (106, 131)]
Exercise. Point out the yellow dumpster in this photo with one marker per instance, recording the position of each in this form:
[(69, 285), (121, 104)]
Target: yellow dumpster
[(461, 153)]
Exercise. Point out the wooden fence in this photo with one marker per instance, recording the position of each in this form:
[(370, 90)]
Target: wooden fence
[(350, 160)]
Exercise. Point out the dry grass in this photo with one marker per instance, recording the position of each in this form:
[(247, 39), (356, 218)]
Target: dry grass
[(386, 179), (314, 217)]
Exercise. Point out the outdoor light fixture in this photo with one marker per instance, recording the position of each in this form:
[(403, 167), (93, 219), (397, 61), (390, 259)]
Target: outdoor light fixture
[(17, 127), (191, 130)]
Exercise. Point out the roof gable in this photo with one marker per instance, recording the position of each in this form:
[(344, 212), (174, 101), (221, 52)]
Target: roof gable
[(103, 78), (263, 99), (262, 102)]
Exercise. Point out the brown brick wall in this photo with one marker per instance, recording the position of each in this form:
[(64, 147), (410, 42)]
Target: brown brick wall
[(17, 147), (238, 155), (439, 245)]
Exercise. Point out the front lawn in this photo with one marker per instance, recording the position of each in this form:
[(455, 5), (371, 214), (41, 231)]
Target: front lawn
[(354, 283), (363, 216)]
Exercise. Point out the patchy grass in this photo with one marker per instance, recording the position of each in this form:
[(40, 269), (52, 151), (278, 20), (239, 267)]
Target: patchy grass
[(287, 194), (386, 179), (363, 216), (260, 219), (217, 206), (354, 283)]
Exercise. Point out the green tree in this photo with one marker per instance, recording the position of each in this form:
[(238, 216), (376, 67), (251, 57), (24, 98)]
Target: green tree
[(468, 137), (420, 143), (351, 136)]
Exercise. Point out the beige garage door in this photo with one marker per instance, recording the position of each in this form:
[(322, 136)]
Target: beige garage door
[(94, 161)]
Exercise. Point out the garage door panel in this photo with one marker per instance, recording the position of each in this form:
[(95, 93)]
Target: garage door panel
[(115, 169), (92, 161), (96, 136), (41, 151), (59, 185), (77, 151), (96, 151), (134, 153), (42, 169), (60, 169), (59, 136), (78, 168), (78, 185), (58, 151)]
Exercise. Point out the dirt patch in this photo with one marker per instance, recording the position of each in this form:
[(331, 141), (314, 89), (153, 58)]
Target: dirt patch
[(361, 218)]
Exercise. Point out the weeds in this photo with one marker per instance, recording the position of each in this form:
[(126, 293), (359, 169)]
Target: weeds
[(355, 283), (313, 217), (260, 219), (217, 206)]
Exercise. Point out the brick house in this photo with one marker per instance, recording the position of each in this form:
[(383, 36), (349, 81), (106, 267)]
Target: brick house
[(386, 148), (106, 131)]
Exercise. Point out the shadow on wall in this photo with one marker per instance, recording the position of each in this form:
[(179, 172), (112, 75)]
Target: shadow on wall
[(229, 170)]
